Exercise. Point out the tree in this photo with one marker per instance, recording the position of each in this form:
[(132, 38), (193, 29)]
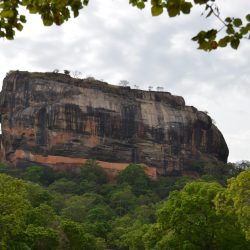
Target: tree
[(236, 200), (76, 74), (160, 89), (40, 174), (43, 216), (13, 209), (79, 239), (123, 200), (242, 165), (66, 72), (57, 12), (77, 207), (41, 238), (64, 186), (135, 176), (189, 220), (37, 195), (92, 172), (124, 83)]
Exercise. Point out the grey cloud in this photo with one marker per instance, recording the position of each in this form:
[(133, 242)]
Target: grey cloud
[(112, 41)]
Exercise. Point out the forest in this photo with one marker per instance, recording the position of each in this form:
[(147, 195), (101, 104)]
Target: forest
[(45, 209)]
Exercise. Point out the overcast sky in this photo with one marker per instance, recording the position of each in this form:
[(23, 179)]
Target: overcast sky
[(111, 40)]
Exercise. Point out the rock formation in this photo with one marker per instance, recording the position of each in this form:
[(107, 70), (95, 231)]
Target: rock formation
[(55, 120)]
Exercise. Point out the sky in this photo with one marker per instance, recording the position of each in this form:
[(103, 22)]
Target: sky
[(113, 41)]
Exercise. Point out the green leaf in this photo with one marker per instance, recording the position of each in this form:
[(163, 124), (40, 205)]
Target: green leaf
[(186, 7), (76, 13), (244, 30), (85, 2), (211, 34), (235, 43), (174, 7), (204, 46), (237, 22), (47, 21), (248, 17), (141, 5), (230, 29), (156, 10), (223, 42), (7, 13), (228, 20), (200, 1), (32, 10), (10, 34), (195, 38), (199, 36), (172, 12), (22, 19), (2, 34), (19, 27)]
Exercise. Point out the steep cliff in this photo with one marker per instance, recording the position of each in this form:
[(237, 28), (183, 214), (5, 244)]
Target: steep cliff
[(59, 121)]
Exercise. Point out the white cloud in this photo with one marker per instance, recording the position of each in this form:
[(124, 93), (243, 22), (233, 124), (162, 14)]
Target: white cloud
[(112, 41)]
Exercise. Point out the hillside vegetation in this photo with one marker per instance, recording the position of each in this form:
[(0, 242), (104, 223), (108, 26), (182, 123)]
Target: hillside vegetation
[(44, 209)]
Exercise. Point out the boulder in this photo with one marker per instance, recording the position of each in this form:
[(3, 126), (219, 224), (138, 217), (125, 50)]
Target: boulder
[(55, 120)]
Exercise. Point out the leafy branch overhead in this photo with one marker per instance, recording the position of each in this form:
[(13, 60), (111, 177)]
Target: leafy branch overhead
[(59, 11), (234, 29)]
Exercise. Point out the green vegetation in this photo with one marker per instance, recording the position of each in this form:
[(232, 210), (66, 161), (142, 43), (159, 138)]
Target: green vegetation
[(44, 209), (57, 12)]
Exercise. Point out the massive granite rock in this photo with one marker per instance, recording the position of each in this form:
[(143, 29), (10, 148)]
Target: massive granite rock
[(59, 121)]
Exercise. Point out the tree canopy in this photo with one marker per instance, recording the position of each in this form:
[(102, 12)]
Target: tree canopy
[(236, 200), (136, 213), (233, 29), (189, 220)]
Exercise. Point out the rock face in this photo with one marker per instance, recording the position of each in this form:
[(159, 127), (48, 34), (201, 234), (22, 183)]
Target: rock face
[(55, 120)]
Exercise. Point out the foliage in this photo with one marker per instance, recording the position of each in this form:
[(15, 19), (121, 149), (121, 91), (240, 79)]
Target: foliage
[(135, 176), (92, 172), (41, 238), (123, 200), (77, 208), (64, 186), (13, 208), (79, 239), (124, 83), (43, 216), (22, 226), (189, 220), (236, 200), (57, 12), (235, 28), (164, 185), (38, 195), (217, 171), (41, 174), (66, 72), (91, 177), (136, 213)]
